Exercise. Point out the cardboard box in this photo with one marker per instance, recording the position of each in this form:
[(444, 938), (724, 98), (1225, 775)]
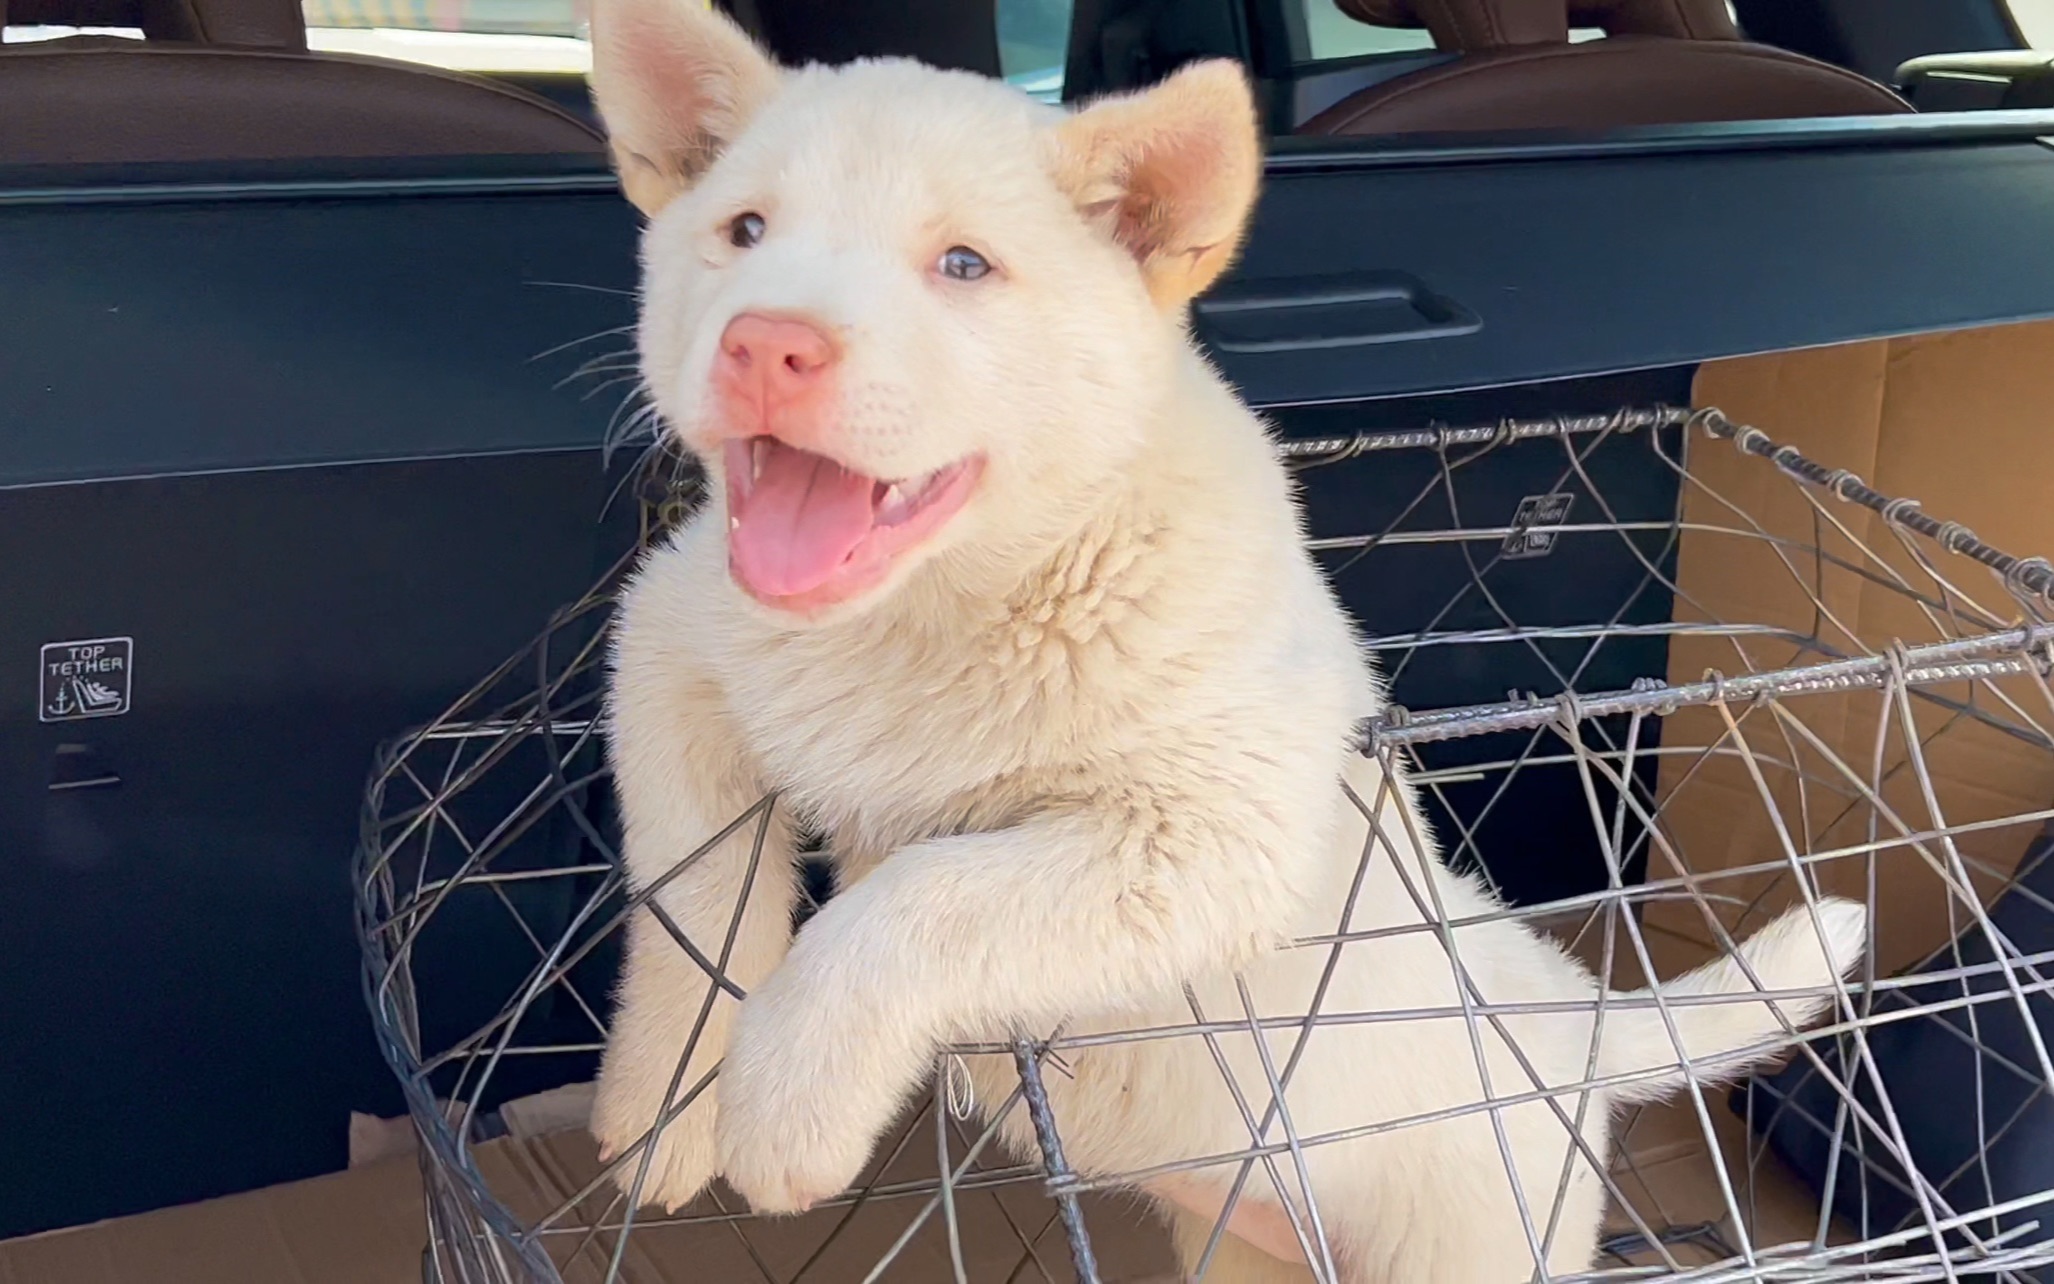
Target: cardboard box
[(1004, 1232), (1953, 421), (1672, 1179), (366, 1225), (362, 1226), (1957, 422)]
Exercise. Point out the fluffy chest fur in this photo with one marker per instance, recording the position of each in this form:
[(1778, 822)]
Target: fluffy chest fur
[(1146, 646)]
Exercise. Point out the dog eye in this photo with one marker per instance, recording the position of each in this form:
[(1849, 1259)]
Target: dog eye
[(744, 230), (961, 263)]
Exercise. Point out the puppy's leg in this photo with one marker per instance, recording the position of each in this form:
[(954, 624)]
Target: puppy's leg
[(1233, 1262), (683, 777), (962, 936), (1455, 1219), (1454, 1246)]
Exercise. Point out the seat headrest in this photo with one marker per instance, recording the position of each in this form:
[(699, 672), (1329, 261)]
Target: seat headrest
[(1469, 25), (248, 24)]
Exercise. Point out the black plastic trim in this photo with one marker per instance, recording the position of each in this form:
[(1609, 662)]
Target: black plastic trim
[(1321, 155), (309, 189), (254, 322), (301, 179), (295, 180), (1592, 262)]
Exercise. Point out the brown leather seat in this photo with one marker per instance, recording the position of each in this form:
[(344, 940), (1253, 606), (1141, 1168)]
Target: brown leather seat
[(1661, 62), (232, 80)]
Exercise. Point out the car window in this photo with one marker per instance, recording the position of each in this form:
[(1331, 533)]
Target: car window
[(552, 35), (1034, 44), (463, 35), (2035, 19), (1331, 34), (25, 35)]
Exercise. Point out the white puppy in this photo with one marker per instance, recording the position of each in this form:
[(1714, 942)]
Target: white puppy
[(1001, 588)]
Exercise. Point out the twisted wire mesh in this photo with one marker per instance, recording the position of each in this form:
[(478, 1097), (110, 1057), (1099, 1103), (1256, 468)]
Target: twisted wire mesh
[(1815, 748)]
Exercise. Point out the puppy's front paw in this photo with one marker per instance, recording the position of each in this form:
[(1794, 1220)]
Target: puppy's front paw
[(681, 1157), (806, 1090), (783, 1145)]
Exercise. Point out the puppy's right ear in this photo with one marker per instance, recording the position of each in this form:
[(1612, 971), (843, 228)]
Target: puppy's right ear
[(675, 83)]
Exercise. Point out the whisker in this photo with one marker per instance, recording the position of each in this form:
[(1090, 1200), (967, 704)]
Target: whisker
[(591, 368), (635, 413), (579, 285), (546, 353), (614, 382)]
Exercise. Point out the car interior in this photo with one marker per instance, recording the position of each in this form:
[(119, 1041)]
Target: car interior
[(312, 358), (1513, 66)]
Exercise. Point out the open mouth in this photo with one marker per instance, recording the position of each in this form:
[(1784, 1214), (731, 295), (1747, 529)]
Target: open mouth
[(805, 531)]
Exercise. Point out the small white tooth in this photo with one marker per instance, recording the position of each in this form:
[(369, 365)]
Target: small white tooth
[(892, 497), (758, 450), (734, 523)]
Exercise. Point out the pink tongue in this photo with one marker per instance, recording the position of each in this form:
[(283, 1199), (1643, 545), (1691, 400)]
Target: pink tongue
[(800, 521)]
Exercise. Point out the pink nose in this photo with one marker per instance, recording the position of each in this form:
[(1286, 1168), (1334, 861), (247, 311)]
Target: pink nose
[(780, 357)]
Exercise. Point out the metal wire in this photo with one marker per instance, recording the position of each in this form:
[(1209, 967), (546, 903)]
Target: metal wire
[(1839, 753)]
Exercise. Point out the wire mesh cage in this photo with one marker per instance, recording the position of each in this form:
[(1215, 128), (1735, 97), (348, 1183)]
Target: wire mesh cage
[(1832, 694)]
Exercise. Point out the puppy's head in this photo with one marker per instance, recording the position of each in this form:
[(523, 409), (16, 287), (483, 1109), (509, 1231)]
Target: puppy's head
[(907, 318)]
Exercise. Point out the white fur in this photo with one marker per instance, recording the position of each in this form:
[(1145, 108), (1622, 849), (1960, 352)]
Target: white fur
[(1083, 750)]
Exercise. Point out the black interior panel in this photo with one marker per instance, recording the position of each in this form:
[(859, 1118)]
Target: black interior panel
[(307, 452), (1529, 830), (1592, 261), (182, 1009), (200, 332)]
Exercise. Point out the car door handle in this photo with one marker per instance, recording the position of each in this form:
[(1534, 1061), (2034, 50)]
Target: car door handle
[(1332, 311)]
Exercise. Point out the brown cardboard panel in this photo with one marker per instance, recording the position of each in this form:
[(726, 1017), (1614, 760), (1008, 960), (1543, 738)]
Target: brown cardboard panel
[(372, 1139), (1005, 1233), (1671, 1176), (365, 1226), (1956, 422), (362, 1226)]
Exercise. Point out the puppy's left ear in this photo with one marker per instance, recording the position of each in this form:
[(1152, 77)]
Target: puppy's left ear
[(1169, 173)]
